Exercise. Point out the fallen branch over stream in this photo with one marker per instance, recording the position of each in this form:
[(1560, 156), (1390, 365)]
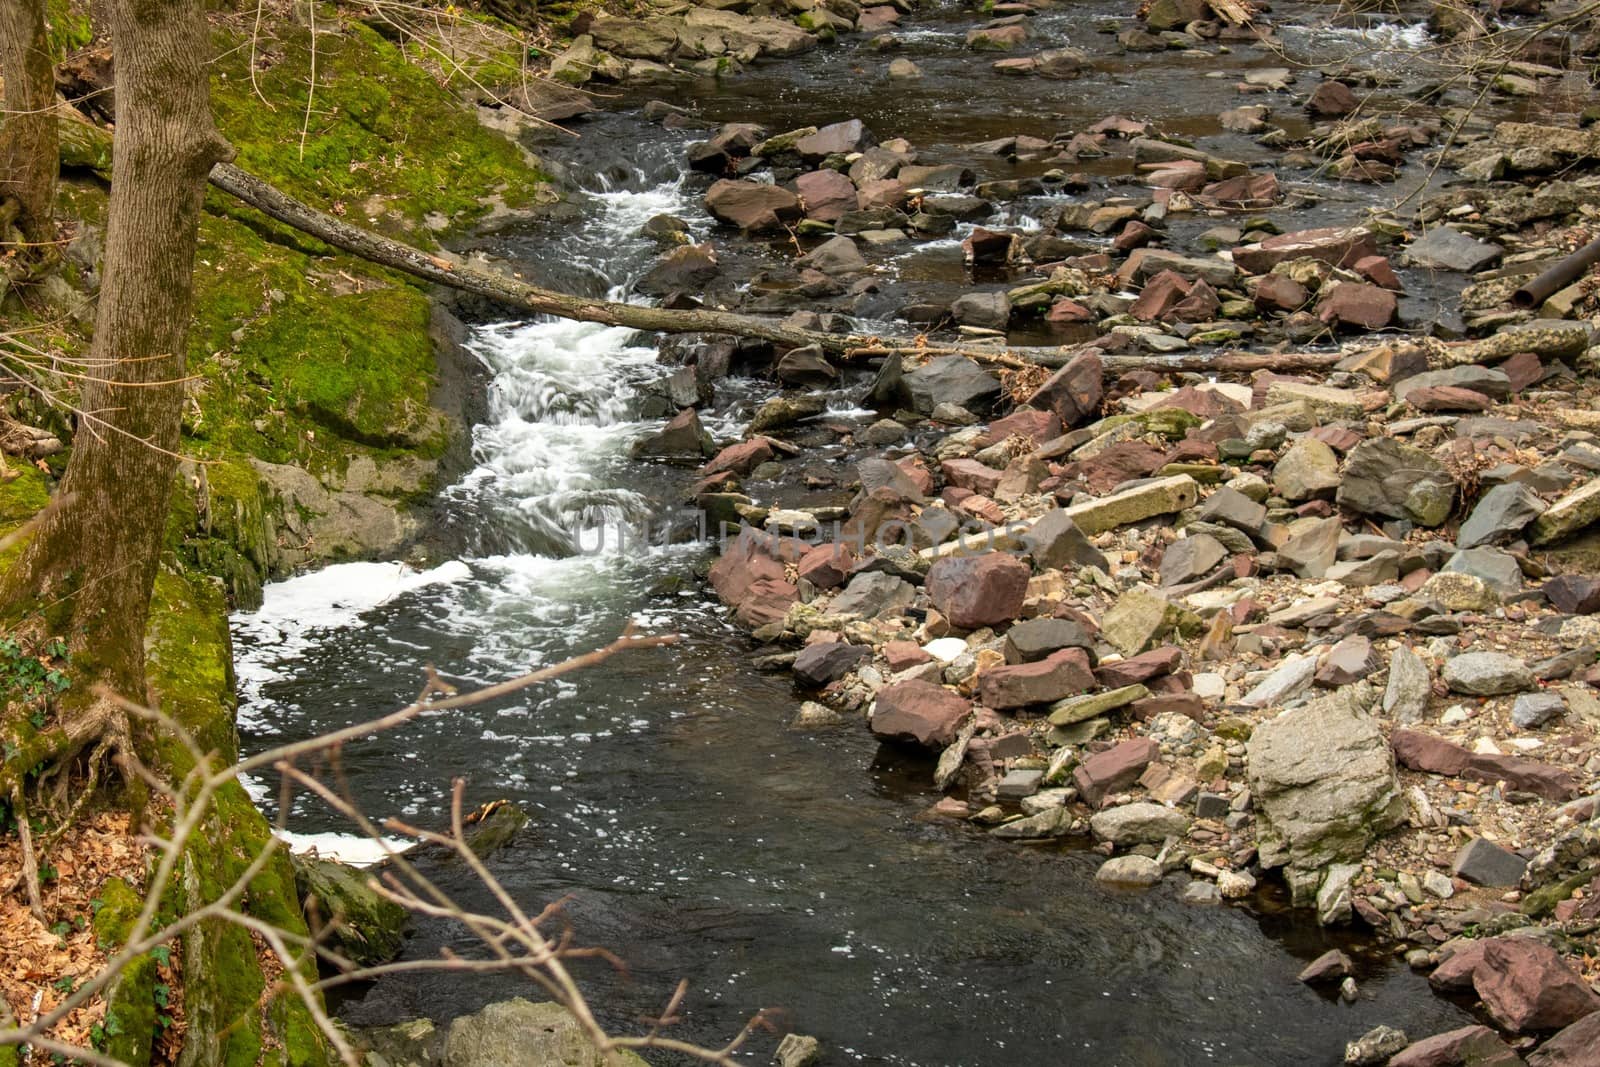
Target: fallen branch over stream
[(388, 252)]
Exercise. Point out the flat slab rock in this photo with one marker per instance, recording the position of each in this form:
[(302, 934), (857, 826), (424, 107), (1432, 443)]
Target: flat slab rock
[(1424, 752)]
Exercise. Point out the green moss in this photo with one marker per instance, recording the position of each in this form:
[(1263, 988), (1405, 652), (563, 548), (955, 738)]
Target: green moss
[(119, 906), (130, 1023), (386, 144), (190, 661), (68, 29)]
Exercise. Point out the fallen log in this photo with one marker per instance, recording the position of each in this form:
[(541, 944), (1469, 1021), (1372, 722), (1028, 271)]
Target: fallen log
[(387, 252)]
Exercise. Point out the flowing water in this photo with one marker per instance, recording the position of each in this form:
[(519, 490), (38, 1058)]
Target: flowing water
[(698, 836)]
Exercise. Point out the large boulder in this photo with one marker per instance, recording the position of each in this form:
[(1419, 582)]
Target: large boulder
[(919, 712), (1324, 783), (827, 194), (950, 380), (976, 591), (517, 1032), (754, 207), (687, 268), (1389, 478), (1526, 985)]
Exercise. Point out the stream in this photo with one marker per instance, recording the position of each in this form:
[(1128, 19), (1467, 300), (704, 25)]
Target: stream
[(698, 835)]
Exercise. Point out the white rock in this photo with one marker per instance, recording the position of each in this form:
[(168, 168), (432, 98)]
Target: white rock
[(1235, 884), (1439, 885), (1210, 686), (1486, 747), (1454, 716), (945, 649)]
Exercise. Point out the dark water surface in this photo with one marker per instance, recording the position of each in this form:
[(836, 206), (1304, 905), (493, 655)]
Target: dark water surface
[(697, 835)]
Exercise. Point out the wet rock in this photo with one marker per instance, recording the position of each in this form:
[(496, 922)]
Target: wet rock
[(1500, 515), (1055, 542), (1324, 784), (783, 411), (841, 138), (682, 436), (1331, 966), (873, 593), (753, 206), (950, 380), (837, 255), (904, 69), (1114, 769), (1358, 305), (1446, 248), (994, 38), (519, 1031), (1332, 99), (1279, 292), (1036, 639), (1138, 824), (918, 712), (1395, 480), (1470, 1046), (827, 194), (1572, 1047), (1058, 675), (976, 591), (1374, 1047), (1487, 674), (817, 665), (1334, 245), (1424, 752), (798, 1050), (688, 268), (806, 366), (1075, 391), (991, 311), (1533, 710), (1526, 986), (371, 929), (1568, 515), (1053, 822), (1406, 697), (1129, 871)]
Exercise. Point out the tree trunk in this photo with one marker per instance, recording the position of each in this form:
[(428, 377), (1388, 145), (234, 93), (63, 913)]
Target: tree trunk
[(28, 126), (92, 562)]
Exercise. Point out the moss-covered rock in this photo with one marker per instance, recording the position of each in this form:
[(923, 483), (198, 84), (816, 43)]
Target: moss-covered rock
[(130, 1022), (369, 929)]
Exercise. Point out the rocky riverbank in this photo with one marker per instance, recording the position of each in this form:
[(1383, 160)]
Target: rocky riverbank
[(1321, 616)]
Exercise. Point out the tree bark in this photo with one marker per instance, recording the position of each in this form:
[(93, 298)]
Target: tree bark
[(93, 561), (28, 155)]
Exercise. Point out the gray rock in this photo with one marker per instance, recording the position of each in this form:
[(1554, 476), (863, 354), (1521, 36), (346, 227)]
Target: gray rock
[(1313, 549), (1191, 557), (991, 311), (1386, 477), (1501, 515), (1406, 697), (1323, 782), (517, 1032), (1375, 1047), (1035, 639), (1129, 870), (1138, 824), (1487, 674), (873, 593), (837, 255), (1491, 383), (1056, 543), (950, 380), (1307, 470), (1445, 248), (1333, 895), (819, 664), (1486, 863), (1018, 783), (1533, 710), (1201, 893), (1498, 570), (878, 473), (1292, 678), (1233, 508)]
